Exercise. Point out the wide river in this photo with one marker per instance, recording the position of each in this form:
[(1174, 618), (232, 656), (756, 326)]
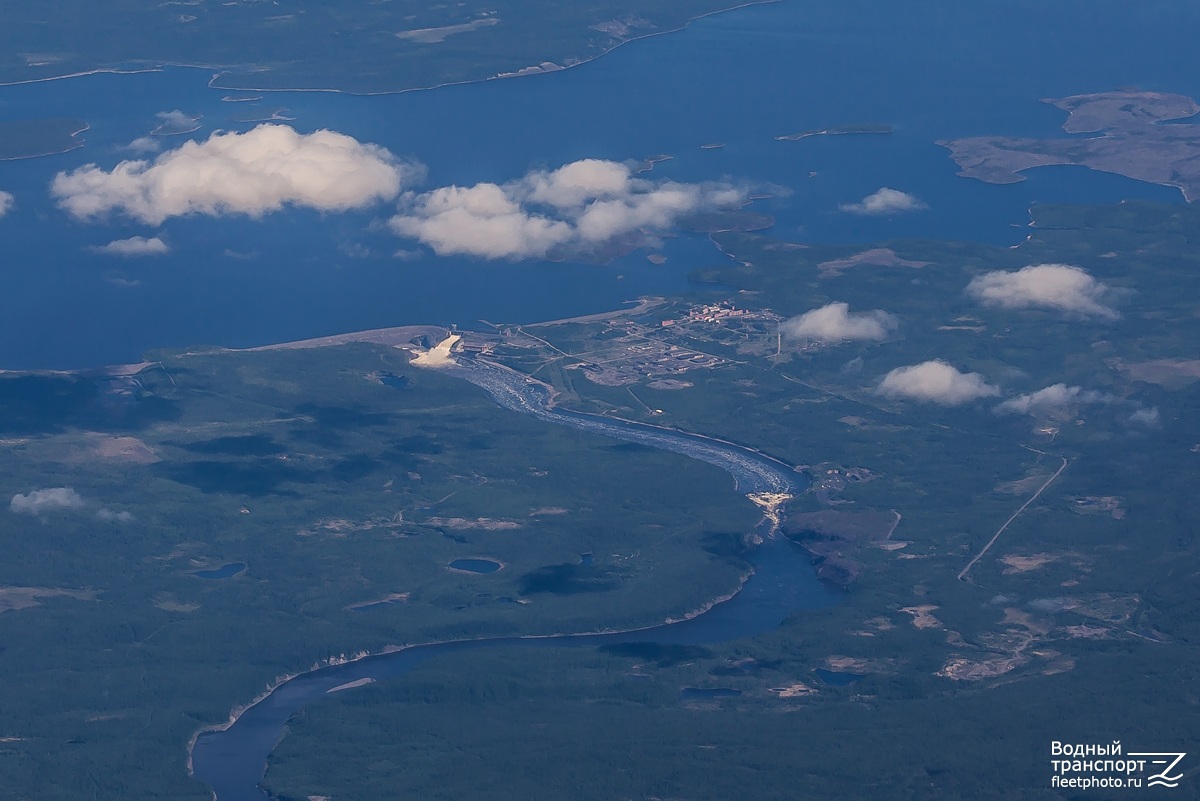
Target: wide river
[(233, 761)]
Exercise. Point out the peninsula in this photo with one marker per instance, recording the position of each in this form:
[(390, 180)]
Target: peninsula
[(1138, 139)]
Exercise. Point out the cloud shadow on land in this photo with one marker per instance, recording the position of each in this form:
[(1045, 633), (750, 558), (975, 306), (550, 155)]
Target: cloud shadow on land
[(237, 445), (567, 579), (255, 477), (37, 404)]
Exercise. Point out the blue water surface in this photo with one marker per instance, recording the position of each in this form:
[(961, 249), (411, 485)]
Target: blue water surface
[(933, 69), (223, 572)]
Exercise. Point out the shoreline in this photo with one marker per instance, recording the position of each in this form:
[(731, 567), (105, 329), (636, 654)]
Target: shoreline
[(84, 74), (214, 80), (1018, 175), (237, 711), (74, 146), (392, 336)]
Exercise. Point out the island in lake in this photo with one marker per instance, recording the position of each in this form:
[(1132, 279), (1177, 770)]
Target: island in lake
[(838, 130), (27, 139)]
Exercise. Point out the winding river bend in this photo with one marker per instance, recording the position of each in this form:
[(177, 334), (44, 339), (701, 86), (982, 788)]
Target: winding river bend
[(232, 761)]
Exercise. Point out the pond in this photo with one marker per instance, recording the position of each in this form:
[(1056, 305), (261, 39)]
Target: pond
[(475, 565), (223, 572)]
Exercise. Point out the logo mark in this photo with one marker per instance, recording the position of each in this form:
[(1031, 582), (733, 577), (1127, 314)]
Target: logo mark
[(1163, 777)]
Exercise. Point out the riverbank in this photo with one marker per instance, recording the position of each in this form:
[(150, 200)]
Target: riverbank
[(726, 616)]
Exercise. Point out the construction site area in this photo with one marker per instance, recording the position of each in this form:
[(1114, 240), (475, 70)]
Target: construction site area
[(639, 344)]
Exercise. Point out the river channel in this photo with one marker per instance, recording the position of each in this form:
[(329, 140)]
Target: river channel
[(233, 761)]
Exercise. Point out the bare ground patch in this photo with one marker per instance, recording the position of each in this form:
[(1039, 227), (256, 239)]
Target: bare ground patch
[(963, 669), (873, 626), (395, 597), (14, 598), (484, 523), (123, 449), (922, 617), (1022, 486), (1024, 564), (876, 257), (339, 527), (1167, 373), (169, 603)]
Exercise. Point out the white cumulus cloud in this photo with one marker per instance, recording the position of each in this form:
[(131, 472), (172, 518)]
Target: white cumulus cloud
[(835, 322), (935, 381), (1147, 417), (575, 209), (480, 220), (1062, 287), (7, 201), (250, 173), (144, 144), (43, 501), (134, 246), (885, 201), (111, 516), (171, 123), (1052, 399), (579, 182)]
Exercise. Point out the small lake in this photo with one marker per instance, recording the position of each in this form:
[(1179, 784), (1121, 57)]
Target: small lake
[(475, 565), (223, 572), (395, 381), (703, 693), (374, 605), (836, 678)]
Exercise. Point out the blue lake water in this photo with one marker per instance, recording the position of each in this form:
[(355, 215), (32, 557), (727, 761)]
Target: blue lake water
[(223, 572), (933, 70), (373, 605), (394, 381), (476, 565), (708, 693), (838, 678)]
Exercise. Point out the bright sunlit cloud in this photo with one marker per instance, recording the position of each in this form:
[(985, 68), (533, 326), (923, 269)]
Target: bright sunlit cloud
[(1053, 399), (41, 502), (885, 201), (835, 322), (575, 209), (134, 246), (935, 381), (252, 173), (1060, 287)]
